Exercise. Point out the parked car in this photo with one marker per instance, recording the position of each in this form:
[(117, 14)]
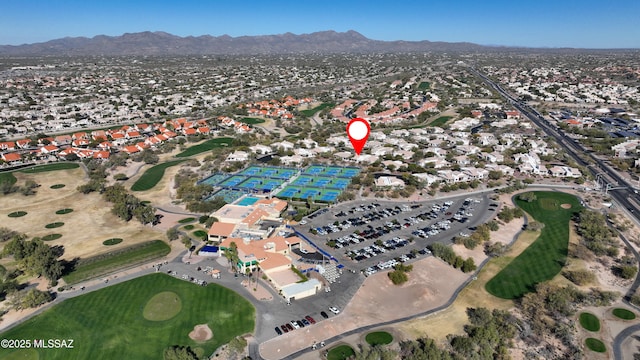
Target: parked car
[(310, 319), (295, 324), (285, 328), (278, 331), (324, 314), (334, 310), (289, 327)]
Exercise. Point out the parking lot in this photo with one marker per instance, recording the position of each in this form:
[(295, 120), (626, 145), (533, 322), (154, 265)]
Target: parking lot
[(372, 236)]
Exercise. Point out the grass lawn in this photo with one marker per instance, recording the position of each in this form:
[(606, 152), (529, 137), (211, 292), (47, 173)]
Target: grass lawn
[(595, 345), (200, 233), (440, 121), (112, 241), (57, 186), (17, 214), (189, 227), (340, 352), (310, 112), (589, 321), (152, 176), (64, 211), (424, 86), (51, 237), (206, 146), (186, 220), (50, 167), (104, 264), (251, 121), (543, 259), (54, 225), (623, 314), (378, 338), (7, 177), (111, 324)]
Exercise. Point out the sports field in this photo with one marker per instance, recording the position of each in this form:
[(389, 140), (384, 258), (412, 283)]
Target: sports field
[(152, 176), (136, 319), (543, 259), (206, 146)]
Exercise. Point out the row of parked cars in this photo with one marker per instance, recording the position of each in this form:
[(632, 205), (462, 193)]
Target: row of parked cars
[(395, 261), (306, 321), (374, 213)]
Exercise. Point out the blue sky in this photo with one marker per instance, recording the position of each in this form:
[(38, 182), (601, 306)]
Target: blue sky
[(534, 23)]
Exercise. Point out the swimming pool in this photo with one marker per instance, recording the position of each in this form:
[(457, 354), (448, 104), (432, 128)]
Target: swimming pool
[(249, 200)]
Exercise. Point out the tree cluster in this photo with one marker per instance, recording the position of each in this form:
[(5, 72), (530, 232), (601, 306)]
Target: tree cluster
[(399, 275), (7, 187), (177, 352), (487, 337), (30, 299), (548, 310), (36, 258), (508, 213), (97, 177), (481, 235), (596, 235), (193, 194), (127, 206), (449, 256)]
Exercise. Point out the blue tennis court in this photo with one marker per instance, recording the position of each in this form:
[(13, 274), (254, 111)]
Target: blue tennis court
[(233, 181), (214, 179), (330, 196), (350, 172), (270, 184), (314, 170), (289, 192), (332, 171), (251, 171), (228, 195)]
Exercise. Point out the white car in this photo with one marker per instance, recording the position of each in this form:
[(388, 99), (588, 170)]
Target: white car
[(334, 310), (303, 222)]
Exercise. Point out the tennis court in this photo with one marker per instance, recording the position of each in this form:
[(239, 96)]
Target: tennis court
[(302, 180), (233, 181), (214, 179), (269, 172), (228, 195), (319, 182)]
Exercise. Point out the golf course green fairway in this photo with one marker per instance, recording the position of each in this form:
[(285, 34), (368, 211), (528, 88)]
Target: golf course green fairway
[(110, 323), (205, 146), (162, 306), (543, 259), (589, 322), (152, 176)]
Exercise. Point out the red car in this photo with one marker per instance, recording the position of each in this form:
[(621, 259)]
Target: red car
[(284, 328), (310, 319)]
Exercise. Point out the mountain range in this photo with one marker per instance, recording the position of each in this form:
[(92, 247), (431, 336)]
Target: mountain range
[(162, 43)]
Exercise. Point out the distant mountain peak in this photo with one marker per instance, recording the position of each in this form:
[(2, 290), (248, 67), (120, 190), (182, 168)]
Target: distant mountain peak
[(163, 43)]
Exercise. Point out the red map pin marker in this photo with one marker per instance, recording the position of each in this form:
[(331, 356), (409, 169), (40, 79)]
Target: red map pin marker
[(358, 131)]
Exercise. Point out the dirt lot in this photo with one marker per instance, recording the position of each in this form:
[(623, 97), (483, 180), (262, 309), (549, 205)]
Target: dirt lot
[(84, 229), (431, 284), (452, 319)]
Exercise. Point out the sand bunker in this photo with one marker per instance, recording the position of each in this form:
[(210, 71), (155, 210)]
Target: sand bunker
[(565, 206), (201, 333)]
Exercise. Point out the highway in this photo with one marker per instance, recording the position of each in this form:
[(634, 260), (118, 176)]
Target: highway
[(621, 192)]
